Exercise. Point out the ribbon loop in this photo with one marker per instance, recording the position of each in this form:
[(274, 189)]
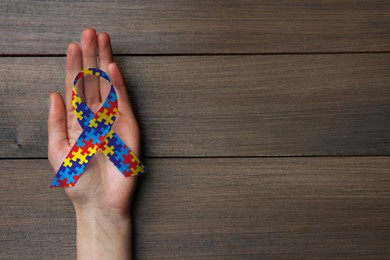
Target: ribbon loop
[(97, 134)]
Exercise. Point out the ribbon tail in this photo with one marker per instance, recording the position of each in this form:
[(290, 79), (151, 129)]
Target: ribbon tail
[(67, 178), (76, 161), (122, 156)]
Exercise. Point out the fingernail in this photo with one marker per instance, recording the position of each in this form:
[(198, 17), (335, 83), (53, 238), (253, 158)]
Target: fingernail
[(113, 64), (51, 100), (90, 27)]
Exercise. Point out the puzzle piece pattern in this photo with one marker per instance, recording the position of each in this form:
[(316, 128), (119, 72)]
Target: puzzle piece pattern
[(97, 133)]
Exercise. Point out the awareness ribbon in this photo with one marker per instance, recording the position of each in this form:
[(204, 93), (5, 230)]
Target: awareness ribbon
[(97, 134)]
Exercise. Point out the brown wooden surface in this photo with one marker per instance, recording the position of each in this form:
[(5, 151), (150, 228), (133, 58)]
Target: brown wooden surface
[(265, 26), (259, 122), (302, 208), (222, 105)]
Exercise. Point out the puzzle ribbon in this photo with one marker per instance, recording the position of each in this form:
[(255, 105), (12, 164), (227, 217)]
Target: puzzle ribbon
[(97, 134)]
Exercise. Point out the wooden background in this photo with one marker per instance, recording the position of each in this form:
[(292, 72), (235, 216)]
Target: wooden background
[(265, 125)]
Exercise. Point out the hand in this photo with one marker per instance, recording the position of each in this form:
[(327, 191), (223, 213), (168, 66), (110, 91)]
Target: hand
[(102, 195)]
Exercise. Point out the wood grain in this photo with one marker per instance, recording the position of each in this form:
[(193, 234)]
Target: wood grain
[(222, 105), (35, 221), (265, 26), (259, 208)]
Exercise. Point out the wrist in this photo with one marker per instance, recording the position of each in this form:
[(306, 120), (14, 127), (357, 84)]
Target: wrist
[(102, 234), (97, 212)]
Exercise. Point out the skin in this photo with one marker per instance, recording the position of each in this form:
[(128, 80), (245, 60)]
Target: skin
[(102, 196)]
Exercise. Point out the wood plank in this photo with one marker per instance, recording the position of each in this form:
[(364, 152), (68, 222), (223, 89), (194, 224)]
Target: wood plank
[(248, 208), (222, 105), (35, 222), (45, 27)]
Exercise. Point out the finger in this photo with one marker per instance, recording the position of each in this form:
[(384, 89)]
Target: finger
[(105, 58), (58, 138), (129, 131), (73, 66), (124, 105), (89, 55)]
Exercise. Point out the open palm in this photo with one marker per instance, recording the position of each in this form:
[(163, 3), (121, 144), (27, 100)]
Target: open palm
[(101, 185)]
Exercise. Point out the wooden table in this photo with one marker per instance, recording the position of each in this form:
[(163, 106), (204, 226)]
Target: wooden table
[(265, 126)]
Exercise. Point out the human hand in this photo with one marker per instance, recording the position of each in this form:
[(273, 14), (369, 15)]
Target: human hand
[(102, 194)]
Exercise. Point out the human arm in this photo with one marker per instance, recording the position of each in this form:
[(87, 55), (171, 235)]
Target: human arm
[(102, 196)]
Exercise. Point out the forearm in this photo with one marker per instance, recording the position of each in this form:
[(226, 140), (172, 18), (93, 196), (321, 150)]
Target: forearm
[(101, 235)]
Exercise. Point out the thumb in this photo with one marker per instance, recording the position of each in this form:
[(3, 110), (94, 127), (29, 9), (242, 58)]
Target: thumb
[(58, 137)]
